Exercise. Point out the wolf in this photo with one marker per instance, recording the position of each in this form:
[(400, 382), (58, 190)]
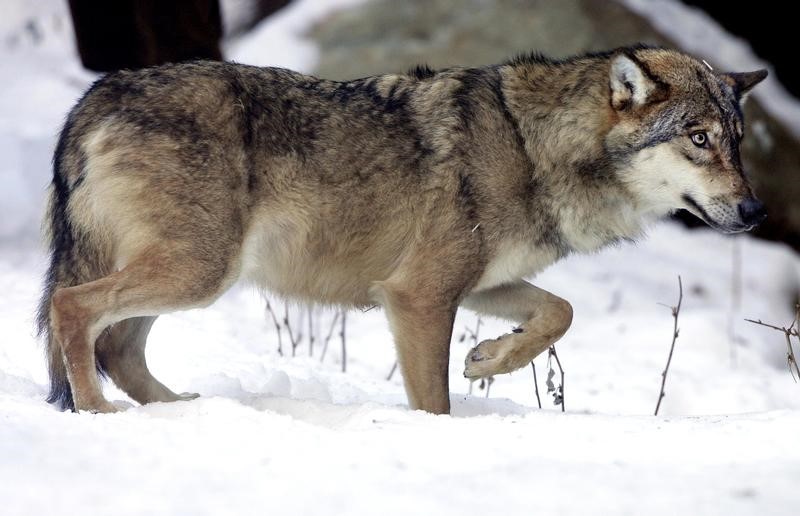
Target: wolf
[(419, 192)]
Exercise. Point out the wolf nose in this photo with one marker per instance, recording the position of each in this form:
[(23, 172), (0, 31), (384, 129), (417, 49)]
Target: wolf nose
[(752, 211)]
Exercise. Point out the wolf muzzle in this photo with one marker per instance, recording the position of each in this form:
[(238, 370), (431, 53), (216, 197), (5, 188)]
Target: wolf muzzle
[(752, 212)]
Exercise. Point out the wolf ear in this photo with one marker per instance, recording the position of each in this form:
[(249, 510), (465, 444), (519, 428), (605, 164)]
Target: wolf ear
[(631, 86), (743, 82)]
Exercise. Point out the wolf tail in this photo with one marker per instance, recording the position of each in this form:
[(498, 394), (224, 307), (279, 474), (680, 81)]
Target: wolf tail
[(73, 261)]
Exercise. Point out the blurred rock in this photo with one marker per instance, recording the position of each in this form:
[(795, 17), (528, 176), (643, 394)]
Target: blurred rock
[(389, 36)]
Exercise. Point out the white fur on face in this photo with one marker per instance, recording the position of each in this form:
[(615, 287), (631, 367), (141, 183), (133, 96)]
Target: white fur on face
[(660, 178)]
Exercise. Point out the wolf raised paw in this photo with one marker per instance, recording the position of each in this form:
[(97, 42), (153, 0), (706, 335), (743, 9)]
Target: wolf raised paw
[(491, 357)]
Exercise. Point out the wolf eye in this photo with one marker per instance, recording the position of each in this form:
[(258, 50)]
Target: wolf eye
[(699, 138)]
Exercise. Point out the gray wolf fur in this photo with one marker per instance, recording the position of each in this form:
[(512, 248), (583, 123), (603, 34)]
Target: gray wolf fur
[(419, 192)]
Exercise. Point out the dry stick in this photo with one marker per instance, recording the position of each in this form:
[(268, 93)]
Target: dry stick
[(344, 343), (289, 327), (299, 338), (676, 310), (561, 370), (310, 330), (391, 373), (277, 328), (787, 332), (328, 337), (536, 385), (473, 336)]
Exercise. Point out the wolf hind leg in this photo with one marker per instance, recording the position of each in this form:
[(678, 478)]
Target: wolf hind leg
[(120, 351), (156, 282), (543, 318)]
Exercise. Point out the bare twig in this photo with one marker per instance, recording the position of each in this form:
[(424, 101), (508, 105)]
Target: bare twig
[(310, 330), (391, 373), (328, 337), (277, 327), (536, 385), (675, 313), (289, 328), (343, 335), (558, 396), (473, 336), (788, 332)]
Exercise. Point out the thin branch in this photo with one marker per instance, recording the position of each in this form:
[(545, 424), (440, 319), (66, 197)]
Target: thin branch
[(289, 328), (779, 328), (676, 310), (310, 330), (343, 334), (788, 332), (536, 385), (391, 373), (559, 397), (328, 337), (277, 327)]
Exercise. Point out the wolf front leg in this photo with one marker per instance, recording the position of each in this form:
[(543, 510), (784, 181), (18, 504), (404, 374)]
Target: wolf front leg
[(422, 329), (543, 318)]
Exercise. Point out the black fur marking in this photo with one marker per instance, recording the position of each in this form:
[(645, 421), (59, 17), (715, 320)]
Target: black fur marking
[(688, 156), (532, 57), (658, 81), (421, 72), (246, 104), (537, 58), (628, 86), (466, 196), (703, 214), (496, 84), (593, 169), (471, 79), (278, 122)]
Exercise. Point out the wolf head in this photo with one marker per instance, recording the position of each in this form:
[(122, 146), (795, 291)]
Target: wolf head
[(678, 129)]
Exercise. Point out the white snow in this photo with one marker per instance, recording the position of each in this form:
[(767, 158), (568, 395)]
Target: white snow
[(279, 40), (284, 435)]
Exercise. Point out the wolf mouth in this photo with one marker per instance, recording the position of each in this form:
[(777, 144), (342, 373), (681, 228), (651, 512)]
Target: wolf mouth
[(729, 229)]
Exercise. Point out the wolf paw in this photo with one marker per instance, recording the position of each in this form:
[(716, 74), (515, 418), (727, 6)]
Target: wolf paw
[(486, 359), (186, 396), (100, 408)]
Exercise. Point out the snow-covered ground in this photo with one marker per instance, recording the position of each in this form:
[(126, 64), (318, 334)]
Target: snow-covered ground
[(284, 435)]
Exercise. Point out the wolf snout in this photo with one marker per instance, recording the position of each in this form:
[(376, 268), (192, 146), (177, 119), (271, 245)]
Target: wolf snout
[(752, 211)]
